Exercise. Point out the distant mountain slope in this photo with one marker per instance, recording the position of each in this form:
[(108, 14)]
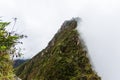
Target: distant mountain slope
[(65, 58), (18, 62)]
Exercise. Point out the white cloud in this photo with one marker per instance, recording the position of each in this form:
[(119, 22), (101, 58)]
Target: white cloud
[(40, 20), (6, 3)]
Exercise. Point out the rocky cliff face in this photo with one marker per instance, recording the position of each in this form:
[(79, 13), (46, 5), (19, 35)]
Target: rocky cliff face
[(65, 58)]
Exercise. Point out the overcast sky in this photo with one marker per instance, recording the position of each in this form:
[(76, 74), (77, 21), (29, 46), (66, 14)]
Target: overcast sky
[(100, 27)]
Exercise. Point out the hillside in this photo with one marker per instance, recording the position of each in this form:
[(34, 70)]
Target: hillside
[(18, 62), (65, 58)]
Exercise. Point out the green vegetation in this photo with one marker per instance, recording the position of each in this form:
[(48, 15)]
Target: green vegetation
[(65, 58), (8, 40)]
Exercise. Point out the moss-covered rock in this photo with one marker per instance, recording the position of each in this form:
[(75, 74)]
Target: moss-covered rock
[(65, 58)]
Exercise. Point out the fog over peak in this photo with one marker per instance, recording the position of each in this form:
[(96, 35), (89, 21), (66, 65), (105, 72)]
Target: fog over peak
[(41, 19)]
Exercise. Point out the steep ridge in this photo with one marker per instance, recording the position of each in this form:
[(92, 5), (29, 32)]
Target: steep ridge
[(65, 58)]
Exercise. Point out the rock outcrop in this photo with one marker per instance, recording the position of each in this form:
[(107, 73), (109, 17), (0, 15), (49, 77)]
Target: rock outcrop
[(65, 58)]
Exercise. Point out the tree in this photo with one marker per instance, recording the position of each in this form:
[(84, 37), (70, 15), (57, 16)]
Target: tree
[(8, 42)]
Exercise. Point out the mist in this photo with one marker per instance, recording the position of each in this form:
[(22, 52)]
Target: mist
[(99, 28)]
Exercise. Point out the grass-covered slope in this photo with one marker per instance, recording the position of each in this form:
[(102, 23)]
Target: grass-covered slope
[(65, 58)]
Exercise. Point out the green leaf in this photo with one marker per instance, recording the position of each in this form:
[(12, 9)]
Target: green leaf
[(3, 47)]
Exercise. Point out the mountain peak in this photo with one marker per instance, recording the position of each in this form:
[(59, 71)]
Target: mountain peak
[(65, 58), (70, 23)]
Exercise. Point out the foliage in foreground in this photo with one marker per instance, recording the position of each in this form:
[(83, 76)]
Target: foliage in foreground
[(8, 41)]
